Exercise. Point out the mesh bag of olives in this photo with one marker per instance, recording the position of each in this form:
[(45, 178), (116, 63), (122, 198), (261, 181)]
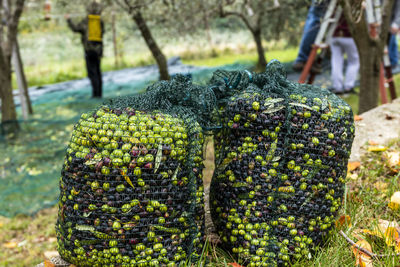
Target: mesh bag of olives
[(281, 165), (131, 185)]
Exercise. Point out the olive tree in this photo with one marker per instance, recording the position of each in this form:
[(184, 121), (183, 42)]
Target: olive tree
[(252, 13), (10, 13), (370, 48), (135, 10)]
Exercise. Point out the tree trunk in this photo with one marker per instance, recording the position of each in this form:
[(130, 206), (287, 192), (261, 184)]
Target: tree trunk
[(152, 45), (8, 113), (262, 62), (370, 60), (26, 104), (207, 25), (114, 38)]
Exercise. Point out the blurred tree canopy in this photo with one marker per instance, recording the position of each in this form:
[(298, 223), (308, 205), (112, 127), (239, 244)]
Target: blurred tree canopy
[(265, 19), (257, 14)]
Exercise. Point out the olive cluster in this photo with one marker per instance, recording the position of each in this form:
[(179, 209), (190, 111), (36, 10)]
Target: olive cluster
[(131, 190), (281, 168)]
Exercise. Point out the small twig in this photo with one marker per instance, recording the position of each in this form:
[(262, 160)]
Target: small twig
[(369, 253)]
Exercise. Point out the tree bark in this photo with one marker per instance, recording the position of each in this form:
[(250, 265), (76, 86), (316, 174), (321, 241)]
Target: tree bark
[(8, 113), (7, 40), (370, 61), (262, 62), (370, 49), (152, 45), (206, 24), (26, 104), (114, 38)]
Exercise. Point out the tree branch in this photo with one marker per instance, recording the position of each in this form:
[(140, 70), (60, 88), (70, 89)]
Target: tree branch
[(13, 22), (386, 17), (347, 11), (224, 13), (241, 16), (357, 27), (1, 22), (276, 6), (13, 17), (369, 253)]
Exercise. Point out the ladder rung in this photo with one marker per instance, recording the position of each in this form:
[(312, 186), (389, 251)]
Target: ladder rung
[(331, 20), (323, 45)]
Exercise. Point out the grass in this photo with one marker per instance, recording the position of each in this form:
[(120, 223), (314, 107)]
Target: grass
[(368, 191), (31, 236), (54, 72), (352, 99), (285, 55)]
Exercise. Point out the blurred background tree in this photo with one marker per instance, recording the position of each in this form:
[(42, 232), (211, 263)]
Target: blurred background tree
[(257, 17), (371, 41), (135, 10), (10, 13)]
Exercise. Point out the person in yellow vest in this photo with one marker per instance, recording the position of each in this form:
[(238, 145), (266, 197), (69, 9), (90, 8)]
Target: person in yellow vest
[(91, 30)]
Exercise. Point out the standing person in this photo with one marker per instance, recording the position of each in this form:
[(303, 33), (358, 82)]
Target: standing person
[(342, 43), (91, 29), (310, 31), (394, 29)]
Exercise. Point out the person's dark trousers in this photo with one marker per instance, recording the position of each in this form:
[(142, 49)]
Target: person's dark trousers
[(93, 69), (393, 51), (311, 28)]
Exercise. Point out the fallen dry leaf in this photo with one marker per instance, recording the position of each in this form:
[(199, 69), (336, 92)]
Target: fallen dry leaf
[(395, 201), (387, 230), (379, 148), (362, 259), (392, 160), (359, 233), (22, 243), (352, 176), (353, 165), (10, 244), (358, 118), (372, 143), (389, 116), (51, 254), (343, 221), (48, 263)]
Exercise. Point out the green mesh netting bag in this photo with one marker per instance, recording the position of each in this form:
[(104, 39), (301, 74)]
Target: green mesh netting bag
[(281, 165), (131, 185)]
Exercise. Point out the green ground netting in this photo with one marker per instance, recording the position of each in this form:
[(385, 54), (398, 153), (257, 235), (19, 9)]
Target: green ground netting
[(30, 165)]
